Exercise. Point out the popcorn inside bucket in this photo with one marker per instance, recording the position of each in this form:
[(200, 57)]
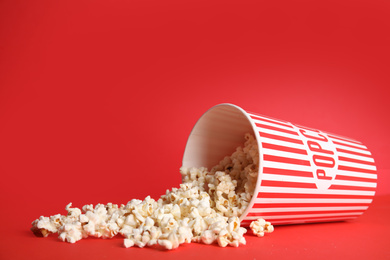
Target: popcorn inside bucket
[(206, 208)]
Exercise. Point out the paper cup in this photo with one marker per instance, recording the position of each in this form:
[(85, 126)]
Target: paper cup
[(305, 175)]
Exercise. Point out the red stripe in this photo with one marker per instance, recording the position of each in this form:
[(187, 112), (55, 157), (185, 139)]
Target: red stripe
[(245, 223), (269, 121), (354, 169), (288, 184), (347, 159), (352, 152), (280, 138), (343, 139), (351, 178), (352, 146), (347, 187), (276, 129), (311, 196), (286, 213), (281, 159), (283, 148), (302, 205)]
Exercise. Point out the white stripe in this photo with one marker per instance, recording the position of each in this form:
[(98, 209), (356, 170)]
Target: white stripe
[(267, 118), (273, 132), (265, 201), (353, 156), (305, 216), (283, 143), (287, 166), (328, 219), (353, 149), (357, 174), (357, 165), (274, 124), (314, 191), (286, 154), (349, 143), (305, 157), (296, 167), (263, 210), (354, 183), (277, 177)]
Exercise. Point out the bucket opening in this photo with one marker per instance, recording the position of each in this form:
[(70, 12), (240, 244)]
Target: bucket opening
[(217, 134)]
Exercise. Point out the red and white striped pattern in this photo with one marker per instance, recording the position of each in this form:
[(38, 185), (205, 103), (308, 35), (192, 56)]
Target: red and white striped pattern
[(289, 192)]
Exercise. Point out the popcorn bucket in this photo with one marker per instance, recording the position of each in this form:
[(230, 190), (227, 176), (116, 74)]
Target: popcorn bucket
[(305, 175)]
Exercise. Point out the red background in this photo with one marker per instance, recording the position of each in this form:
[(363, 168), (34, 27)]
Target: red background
[(97, 99)]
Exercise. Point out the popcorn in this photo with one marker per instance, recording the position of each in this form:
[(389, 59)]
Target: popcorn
[(98, 223), (126, 231), (185, 233), (154, 235), (171, 242), (128, 242), (176, 212), (260, 226), (45, 225), (205, 208), (73, 213), (208, 237), (71, 232), (144, 239), (222, 239)]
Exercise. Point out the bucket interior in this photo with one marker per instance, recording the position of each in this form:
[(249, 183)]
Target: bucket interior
[(216, 134)]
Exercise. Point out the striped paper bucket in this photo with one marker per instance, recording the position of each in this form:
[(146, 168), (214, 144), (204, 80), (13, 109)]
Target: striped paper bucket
[(305, 175)]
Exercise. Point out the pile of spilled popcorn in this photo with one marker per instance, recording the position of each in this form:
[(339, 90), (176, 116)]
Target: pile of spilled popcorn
[(205, 209)]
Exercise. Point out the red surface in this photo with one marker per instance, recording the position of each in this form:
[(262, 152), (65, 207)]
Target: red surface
[(97, 99)]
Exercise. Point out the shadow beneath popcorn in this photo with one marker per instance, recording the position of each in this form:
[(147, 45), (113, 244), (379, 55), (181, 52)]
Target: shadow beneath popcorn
[(269, 238)]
